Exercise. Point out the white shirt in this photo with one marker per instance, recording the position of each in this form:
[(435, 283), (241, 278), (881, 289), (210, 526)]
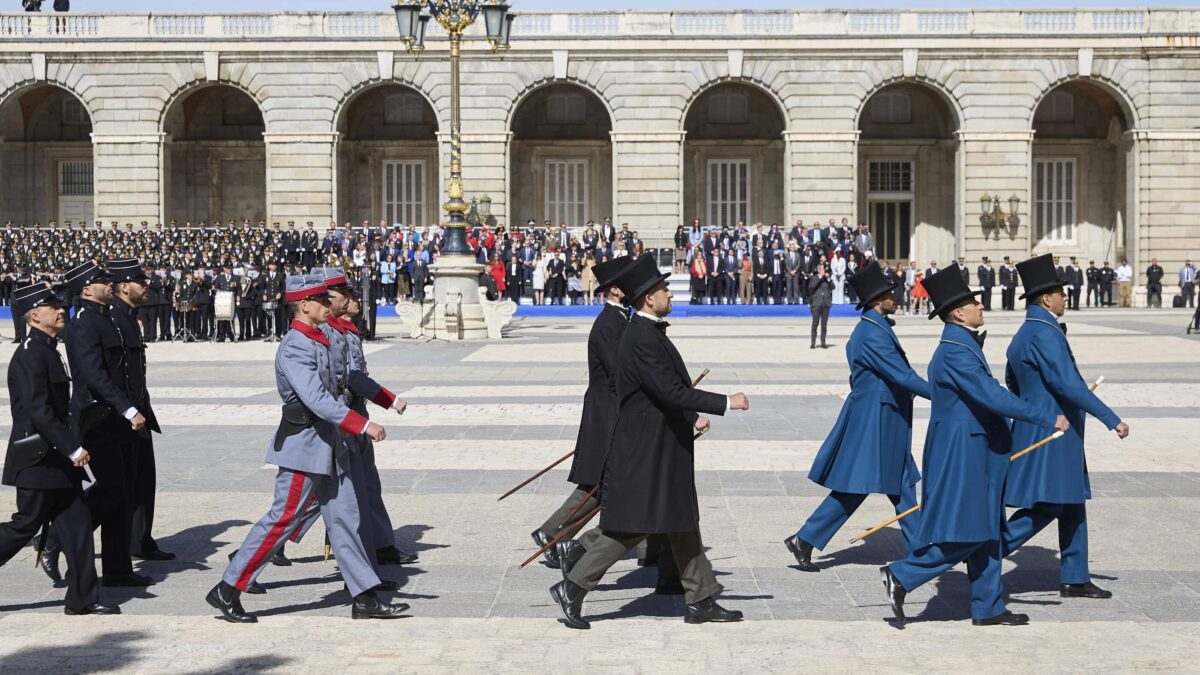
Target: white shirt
[(1124, 273)]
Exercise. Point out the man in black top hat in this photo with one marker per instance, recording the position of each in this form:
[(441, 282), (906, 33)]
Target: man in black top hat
[(599, 409), (649, 479), (129, 294), (44, 459)]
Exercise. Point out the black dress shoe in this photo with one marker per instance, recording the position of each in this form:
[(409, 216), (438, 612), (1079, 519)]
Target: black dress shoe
[(156, 554), (569, 597), (280, 560), (256, 588), (369, 606), (1005, 618), (224, 598), (803, 552), (895, 592), (131, 580), (1088, 590), (50, 557), (708, 610), (96, 608), (550, 554), (387, 586), (669, 586), (648, 561), (394, 556), (569, 552)]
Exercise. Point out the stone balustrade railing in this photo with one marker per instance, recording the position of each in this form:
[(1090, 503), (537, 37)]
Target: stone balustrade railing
[(620, 24)]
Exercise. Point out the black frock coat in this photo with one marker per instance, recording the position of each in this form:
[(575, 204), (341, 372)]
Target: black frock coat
[(600, 400), (39, 392), (649, 483)]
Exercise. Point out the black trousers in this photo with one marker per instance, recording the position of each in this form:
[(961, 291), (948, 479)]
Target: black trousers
[(245, 318), (149, 316), (987, 298), (820, 317), (1074, 294), (762, 288), (164, 321), (225, 330), (207, 317), (1008, 299), (281, 324), (19, 326), (1093, 290), (715, 288), (109, 500), (145, 481), (73, 526)]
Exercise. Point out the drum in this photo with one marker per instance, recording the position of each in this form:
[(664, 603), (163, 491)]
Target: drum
[(269, 306), (223, 306)]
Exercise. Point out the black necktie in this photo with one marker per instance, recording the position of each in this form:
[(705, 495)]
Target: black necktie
[(979, 336), (1063, 326), (890, 321)]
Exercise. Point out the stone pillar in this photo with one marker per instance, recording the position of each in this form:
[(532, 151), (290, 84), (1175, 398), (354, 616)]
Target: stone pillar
[(821, 169), (300, 176), (648, 183), (127, 178), (997, 163), (1161, 217), (485, 171)]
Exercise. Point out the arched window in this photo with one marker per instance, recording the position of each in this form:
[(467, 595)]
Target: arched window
[(728, 107), (1059, 107), (404, 109), (566, 108), (891, 108)]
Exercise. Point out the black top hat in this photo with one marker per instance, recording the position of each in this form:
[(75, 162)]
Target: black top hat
[(125, 269), (1038, 275), (85, 274), (34, 295), (608, 271), (639, 277), (869, 283), (946, 289)]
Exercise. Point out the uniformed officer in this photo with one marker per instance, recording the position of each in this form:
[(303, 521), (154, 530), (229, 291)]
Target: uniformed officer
[(130, 294), (1051, 483), (649, 480), (599, 409), (966, 460), (869, 449), (96, 353), (44, 459), (313, 461), (23, 278)]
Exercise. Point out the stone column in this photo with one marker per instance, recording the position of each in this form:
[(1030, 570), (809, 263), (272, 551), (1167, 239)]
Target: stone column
[(821, 169), (648, 183), (300, 176), (997, 163), (485, 171), (127, 178)]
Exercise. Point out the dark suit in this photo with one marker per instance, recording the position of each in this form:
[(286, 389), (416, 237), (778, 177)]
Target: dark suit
[(716, 276), (762, 286), (1154, 277), (1008, 287), (987, 279), (1075, 287), (48, 484)]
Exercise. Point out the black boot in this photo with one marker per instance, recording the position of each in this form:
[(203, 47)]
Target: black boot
[(256, 588), (668, 586), (96, 608), (225, 599), (550, 554), (1088, 590), (1006, 618), (50, 556), (569, 597), (569, 552), (390, 555), (895, 592), (369, 606), (280, 560), (803, 552), (708, 610)]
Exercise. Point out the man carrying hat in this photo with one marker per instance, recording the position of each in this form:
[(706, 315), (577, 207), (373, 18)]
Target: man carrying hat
[(649, 479), (129, 293), (313, 459), (869, 449), (44, 459), (1051, 483), (599, 408), (966, 460)]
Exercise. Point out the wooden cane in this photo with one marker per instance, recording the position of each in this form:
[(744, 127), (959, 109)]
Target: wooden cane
[(562, 535), (580, 506), (1051, 437), (328, 547), (889, 521)]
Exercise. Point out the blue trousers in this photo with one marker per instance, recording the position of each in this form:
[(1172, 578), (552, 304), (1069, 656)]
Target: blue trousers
[(837, 508), (983, 569), (1072, 536)]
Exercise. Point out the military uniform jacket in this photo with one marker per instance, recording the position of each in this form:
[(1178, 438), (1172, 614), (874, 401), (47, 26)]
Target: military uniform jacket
[(968, 443), (649, 483), (304, 372), (600, 400), (125, 319), (96, 353), (1041, 370), (869, 449), (39, 393), (346, 345)]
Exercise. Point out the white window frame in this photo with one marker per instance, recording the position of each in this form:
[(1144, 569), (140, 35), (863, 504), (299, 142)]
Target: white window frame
[(74, 113), (566, 190), (1055, 206), (62, 171), (724, 208), (403, 191), (893, 194)]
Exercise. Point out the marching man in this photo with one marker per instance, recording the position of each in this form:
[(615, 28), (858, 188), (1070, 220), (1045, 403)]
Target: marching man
[(869, 450), (1052, 483)]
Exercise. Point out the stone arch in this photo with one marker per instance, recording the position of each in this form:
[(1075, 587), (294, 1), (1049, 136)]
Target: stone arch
[(189, 88), (18, 87), (775, 97), (1124, 101), (937, 87), (533, 87), (358, 89)]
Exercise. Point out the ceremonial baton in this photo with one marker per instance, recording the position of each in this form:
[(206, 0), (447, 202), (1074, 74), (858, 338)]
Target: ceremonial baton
[(570, 454), (562, 535), (1057, 434), (889, 521), (581, 503)]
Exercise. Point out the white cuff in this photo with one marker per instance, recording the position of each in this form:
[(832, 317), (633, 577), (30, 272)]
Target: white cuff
[(130, 414), (364, 429), (728, 402), (75, 455)]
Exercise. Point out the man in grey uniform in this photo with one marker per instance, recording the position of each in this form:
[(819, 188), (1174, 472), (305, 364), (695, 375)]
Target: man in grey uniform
[(313, 460)]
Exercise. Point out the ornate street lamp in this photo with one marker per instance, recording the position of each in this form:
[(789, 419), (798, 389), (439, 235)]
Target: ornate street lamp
[(455, 16), (994, 216)]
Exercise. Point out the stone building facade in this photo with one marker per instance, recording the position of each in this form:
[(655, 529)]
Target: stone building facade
[(900, 120)]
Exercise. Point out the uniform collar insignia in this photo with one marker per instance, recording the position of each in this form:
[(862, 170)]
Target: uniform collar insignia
[(310, 331)]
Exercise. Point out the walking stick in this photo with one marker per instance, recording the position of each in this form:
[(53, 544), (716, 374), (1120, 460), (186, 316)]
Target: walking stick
[(581, 503), (889, 521), (41, 544), (328, 547), (562, 535), (570, 454), (1057, 434)]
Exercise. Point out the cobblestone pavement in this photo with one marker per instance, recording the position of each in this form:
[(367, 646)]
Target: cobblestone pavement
[(485, 415)]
